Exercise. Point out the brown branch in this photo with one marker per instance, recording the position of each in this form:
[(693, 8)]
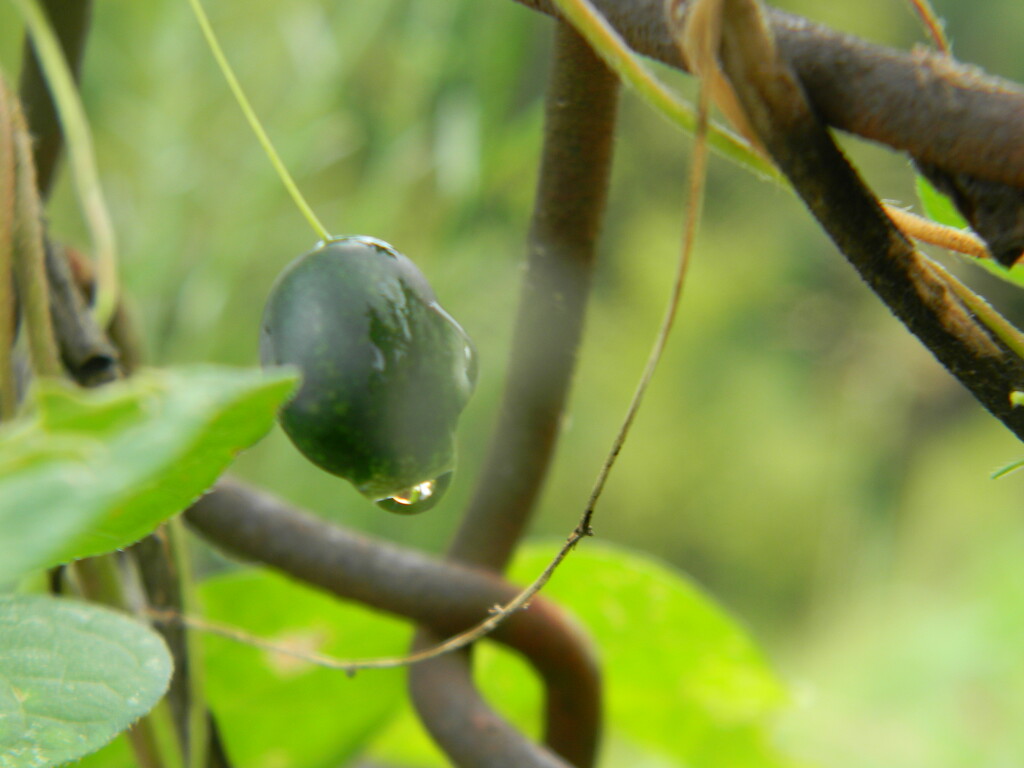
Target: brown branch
[(496, 616), (802, 148), (581, 110), (567, 217), (471, 733), (87, 354), (923, 103), (446, 597)]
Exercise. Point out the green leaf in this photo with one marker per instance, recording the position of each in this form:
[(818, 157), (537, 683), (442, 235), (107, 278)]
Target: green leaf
[(90, 471), (72, 676), (276, 710), (116, 754), (685, 680), (686, 685)]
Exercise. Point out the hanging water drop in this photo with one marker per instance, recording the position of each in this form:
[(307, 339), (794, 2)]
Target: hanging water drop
[(417, 498)]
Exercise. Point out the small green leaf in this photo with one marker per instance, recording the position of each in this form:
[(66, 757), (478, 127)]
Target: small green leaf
[(91, 471), (937, 206), (276, 710), (72, 676)]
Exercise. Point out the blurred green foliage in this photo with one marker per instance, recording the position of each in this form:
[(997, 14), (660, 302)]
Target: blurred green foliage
[(800, 454)]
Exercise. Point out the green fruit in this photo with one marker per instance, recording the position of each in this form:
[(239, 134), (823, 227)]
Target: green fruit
[(385, 370)]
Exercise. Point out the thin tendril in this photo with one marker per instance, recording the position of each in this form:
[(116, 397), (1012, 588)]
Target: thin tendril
[(698, 174), (254, 122), (498, 615), (932, 24)]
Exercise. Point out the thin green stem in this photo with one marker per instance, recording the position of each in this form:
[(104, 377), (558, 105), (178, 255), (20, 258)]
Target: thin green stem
[(1005, 331), (81, 154), (8, 392), (254, 122), (30, 257), (610, 46)]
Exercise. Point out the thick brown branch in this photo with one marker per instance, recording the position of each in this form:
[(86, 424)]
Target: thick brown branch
[(802, 148), (575, 167), (446, 597), (938, 111), (571, 191)]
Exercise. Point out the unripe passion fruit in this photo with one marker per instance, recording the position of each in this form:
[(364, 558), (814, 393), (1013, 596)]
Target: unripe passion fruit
[(385, 370)]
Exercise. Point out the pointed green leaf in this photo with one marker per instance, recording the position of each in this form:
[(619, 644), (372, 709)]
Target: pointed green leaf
[(72, 676), (91, 471)]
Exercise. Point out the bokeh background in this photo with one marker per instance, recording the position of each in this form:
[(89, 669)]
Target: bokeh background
[(799, 454)]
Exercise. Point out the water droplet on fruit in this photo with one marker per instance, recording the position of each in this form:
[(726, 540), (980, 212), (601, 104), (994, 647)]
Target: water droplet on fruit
[(417, 498), (417, 493)]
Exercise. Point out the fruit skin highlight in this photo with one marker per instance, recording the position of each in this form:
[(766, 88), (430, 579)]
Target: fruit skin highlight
[(385, 370)]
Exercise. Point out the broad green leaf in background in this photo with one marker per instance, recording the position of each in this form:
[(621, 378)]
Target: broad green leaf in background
[(91, 471), (276, 710), (686, 685), (940, 208), (72, 676)]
